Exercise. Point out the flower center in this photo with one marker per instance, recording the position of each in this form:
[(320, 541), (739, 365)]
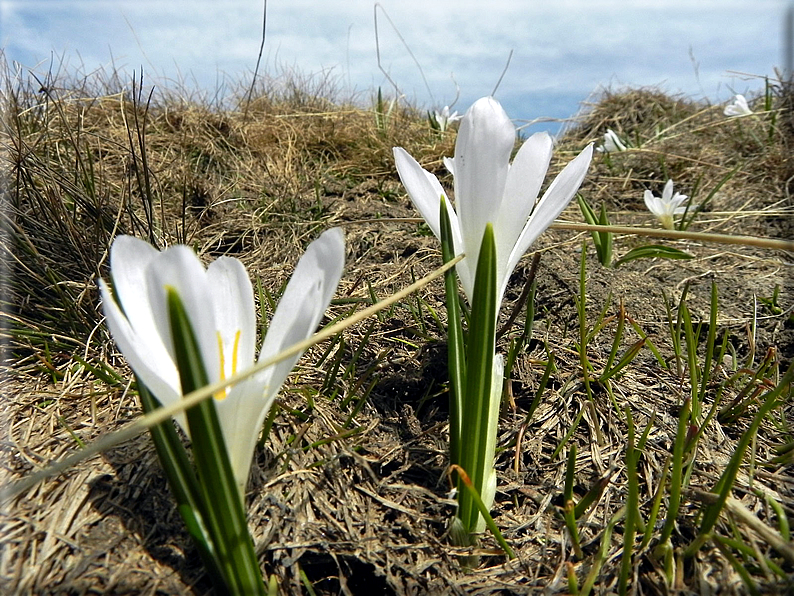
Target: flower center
[(224, 392)]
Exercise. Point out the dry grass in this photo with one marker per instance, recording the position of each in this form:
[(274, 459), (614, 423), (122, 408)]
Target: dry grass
[(366, 511)]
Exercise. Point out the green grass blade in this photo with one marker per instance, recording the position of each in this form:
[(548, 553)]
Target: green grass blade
[(581, 304), (710, 341), (782, 518), (676, 474), (592, 496), (606, 238), (675, 338), (618, 336), (692, 213), (569, 509), (632, 508), (544, 382), (603, 552), (570, 470), (691, 340), (590, 217), (648, 343), (725, 483), (624, 361), (655, 505)]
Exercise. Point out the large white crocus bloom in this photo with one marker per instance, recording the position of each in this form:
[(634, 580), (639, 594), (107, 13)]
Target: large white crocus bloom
[(489, 189), (738, 107), (219, 302), (667, 206)]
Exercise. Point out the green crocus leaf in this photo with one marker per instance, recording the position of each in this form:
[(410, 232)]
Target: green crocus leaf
[(477, 416), (225, 515), (185, 488), (651, 251), (456, 353)]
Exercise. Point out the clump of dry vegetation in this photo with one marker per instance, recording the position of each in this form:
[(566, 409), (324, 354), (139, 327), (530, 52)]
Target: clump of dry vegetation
[(349, 493)]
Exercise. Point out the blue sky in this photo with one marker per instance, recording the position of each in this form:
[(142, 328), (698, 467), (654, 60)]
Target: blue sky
[(563, 51)]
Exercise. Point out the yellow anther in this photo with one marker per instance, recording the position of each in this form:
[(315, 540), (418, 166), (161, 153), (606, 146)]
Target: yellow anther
[(234, 354), (224, 392)]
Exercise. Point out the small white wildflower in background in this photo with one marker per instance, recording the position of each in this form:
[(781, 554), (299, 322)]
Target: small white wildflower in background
[(444, 118), (738, 107), (666, 206), (612, 142)]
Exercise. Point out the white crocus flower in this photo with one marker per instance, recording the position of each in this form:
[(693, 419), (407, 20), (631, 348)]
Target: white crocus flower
[(489, 189), (219, 303), (612, 142), (444, 118), (666, 206), (738, 107)]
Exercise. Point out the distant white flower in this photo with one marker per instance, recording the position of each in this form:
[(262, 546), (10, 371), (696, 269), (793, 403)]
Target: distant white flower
[(444, 118), (612, 142), (738, 107), (666, 206)]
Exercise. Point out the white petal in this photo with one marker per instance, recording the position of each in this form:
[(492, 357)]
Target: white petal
[(739, 107), (677, 200), (233, 305), (482, 153), (521, 190), (425, 192), (242, 415), (145, 353), (554, 202), (449, 163), (299, 311), (304, 301), (466, 270), (653, 203), (423, 188), (667, 192), (612, 141), (179, 268), (129, 258)]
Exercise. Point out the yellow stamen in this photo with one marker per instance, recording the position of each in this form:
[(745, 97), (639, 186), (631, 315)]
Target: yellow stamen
[(234, 353), (224, 392)]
